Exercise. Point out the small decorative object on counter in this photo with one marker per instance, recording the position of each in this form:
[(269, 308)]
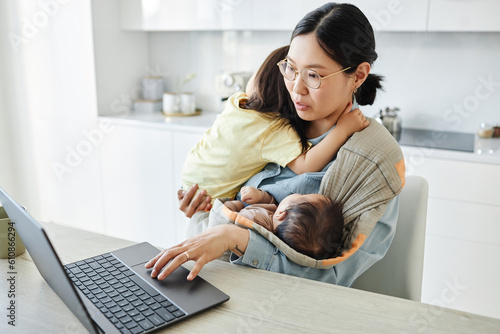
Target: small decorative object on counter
[(10, 243), (496, 131), (485, 130), (179, 101), (152, 91), (391, 120), (147, 106), (152, 88), (226, 84)]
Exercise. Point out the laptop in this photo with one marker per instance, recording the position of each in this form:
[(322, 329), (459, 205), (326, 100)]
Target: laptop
[(113, 292)]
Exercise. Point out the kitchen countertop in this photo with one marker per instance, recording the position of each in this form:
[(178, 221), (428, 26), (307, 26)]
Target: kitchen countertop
[(485, 150), (198, 123)]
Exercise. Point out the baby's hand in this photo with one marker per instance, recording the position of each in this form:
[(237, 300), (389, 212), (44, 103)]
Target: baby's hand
[(352, 121), (250, 195)]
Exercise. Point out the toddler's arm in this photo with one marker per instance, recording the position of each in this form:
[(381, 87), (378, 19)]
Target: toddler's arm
[(253, 195), (316, 158)]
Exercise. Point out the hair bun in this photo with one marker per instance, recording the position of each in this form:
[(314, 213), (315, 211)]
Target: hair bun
[(368, 90)]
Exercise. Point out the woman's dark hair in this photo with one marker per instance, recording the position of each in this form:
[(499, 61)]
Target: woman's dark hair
[(271, 97), (314, 229), (345, 34)]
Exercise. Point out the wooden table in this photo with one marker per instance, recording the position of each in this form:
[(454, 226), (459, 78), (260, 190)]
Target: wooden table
[(261, 301)]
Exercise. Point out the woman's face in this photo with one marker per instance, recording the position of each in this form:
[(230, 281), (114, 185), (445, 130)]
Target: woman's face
[(324, 105)]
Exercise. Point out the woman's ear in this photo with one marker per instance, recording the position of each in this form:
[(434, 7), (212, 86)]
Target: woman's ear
[(361, 74)]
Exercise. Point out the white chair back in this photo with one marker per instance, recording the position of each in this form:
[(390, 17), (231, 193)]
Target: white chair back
[(399, 273)]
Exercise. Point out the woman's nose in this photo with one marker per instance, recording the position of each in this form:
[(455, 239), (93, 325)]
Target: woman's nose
[(299, 87)]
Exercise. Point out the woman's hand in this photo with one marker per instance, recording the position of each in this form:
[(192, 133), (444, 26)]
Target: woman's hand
[(204, 248), (352, 121), (189, 204)]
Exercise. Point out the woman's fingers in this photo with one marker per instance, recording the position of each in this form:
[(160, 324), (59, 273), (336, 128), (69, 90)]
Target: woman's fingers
[(205, 247), (196, 269), (153, 260), (179, 259)]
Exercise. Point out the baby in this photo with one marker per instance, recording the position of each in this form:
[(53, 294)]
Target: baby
[(311, 224)]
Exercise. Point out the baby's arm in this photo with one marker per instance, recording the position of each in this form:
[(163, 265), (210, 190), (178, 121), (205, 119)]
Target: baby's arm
[(235, 206), (316, 158), (253, 195)]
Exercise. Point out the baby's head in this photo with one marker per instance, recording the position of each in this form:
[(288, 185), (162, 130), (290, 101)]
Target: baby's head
[(311, 224)]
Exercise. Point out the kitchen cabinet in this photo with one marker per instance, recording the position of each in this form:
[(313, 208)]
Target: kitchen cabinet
[(187, 15), (392, 15), (141, 173), (191, 15), (182, 141), (464, 15), (462, 247), (137, 184), (395, 15)]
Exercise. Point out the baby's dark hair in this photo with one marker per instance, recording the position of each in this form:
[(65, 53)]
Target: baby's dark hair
[(313, 229), (271, 98)]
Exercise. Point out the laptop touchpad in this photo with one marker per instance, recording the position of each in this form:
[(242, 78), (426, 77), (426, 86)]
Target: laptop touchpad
[(192, 296)]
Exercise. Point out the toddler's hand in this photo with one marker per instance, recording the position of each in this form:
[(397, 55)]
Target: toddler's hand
[(352, 121), (250, 195)]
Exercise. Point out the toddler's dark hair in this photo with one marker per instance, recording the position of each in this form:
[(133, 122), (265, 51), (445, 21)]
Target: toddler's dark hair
[(313, 229), (271, 97)]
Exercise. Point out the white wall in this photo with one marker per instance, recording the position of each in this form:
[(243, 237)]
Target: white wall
[(50, 84), (438, 78), (121, 59), (8, 179), (208, 54), (427, 74)]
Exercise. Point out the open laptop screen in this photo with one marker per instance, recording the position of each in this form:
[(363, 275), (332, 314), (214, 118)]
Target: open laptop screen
[(46, 260)]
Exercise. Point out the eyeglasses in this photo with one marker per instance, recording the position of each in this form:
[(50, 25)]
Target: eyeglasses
[(311, 78)]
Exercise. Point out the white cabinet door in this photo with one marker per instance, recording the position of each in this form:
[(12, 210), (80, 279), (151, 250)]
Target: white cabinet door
[(457, 180), (183, 141), (188, 15), (461, 247), (461, 251), (137, 185), (461, 275), (395, 15), (464, 15)]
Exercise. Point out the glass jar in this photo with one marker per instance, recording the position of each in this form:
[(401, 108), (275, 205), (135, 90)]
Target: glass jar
[(485, 130)]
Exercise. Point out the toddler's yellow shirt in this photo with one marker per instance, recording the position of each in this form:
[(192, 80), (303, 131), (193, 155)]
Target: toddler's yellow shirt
[(238, 145)]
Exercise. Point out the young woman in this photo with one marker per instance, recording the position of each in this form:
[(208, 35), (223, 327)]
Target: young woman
[(330, 39)]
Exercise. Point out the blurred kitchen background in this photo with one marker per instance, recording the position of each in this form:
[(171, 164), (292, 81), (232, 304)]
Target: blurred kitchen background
[(75, 152)]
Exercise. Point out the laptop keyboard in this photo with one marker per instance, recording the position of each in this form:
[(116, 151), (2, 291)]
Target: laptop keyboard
[(131, 304)]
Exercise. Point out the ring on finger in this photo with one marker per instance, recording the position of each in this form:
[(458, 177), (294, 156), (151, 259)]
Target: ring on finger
[(187, 256)]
